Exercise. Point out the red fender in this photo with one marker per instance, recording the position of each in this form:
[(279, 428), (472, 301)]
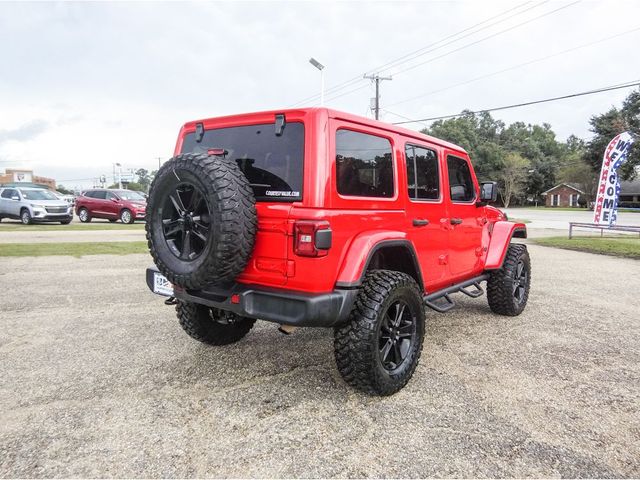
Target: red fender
[(355, 260), (500, 238)]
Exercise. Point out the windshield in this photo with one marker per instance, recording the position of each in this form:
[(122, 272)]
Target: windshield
[(271, 163), (130, 195), (37, 194)]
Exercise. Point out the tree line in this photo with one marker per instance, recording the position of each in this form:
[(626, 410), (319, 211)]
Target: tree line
[(526, 160)]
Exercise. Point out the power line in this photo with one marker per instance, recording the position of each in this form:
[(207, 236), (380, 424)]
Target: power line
[(449, 87), (359, 78), (486, 38), (517, 105)]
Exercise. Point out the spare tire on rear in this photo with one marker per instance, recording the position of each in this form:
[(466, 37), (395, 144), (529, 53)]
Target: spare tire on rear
[(201, 220)]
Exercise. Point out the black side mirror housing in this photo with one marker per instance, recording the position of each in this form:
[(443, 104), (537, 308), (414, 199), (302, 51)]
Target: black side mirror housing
[(488, 192)]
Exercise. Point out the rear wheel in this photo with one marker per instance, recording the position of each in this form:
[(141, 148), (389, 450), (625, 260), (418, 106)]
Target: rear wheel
[(508, 288), (126, 216), (211, 325), (84, 215), (378, 349), (25, 217)]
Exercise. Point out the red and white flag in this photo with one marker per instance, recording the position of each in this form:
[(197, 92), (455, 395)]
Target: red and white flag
[(606, 208)]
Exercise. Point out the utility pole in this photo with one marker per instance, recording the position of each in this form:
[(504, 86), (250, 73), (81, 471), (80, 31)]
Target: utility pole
[(159, 162), (376, 78)]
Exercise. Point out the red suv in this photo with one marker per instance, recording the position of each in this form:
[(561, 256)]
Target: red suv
[(126, 205), (318, 218)]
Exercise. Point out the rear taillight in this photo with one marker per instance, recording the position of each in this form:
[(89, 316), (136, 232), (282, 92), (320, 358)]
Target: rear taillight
[(312, 238)]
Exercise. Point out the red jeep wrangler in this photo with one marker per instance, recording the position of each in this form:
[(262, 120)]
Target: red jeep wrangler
[(319, 218)]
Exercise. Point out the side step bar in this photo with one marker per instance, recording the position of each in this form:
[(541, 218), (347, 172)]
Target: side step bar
[(433, 300)]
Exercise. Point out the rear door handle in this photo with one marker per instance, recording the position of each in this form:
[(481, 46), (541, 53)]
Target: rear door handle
[(456, 221), (420, 222)]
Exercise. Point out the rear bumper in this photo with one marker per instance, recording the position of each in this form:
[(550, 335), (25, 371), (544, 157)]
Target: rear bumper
[(279, 306)]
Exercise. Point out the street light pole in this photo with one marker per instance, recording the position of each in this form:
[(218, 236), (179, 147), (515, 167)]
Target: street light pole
[(320, 67)]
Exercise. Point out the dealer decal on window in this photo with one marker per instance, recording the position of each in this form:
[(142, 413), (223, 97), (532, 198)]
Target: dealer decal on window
[(280, 193)]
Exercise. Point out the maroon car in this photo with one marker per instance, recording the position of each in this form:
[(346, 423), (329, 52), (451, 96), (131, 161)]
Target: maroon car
[(126, 205)]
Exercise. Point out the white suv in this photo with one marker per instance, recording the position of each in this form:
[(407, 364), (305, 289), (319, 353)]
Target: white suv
[(34, 205)]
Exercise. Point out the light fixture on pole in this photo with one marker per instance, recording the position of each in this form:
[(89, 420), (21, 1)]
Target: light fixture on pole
[(320, 67)]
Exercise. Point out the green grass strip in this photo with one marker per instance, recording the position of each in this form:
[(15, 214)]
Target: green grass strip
[(75, 249), (628, 247)]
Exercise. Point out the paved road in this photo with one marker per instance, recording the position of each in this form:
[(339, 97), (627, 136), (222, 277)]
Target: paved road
[(98, 380), (550, 219), (12, 232)]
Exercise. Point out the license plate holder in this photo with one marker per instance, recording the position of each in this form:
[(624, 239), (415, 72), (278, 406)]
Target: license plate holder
[(161, 285)]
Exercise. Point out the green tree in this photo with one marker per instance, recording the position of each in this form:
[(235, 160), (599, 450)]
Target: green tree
[(512, 177), (64, 190), (144, 178), (609, 124)]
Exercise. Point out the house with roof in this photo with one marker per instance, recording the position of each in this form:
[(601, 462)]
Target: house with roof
[(563, 195)]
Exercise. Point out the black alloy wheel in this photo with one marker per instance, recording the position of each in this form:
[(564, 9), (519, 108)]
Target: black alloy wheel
[(520, 282), (397, 335), (186, 221)]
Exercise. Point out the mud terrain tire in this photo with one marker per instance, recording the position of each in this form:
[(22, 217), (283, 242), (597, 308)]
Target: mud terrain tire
[(359, 344), (210, 325), (201, 220), (508, 288)]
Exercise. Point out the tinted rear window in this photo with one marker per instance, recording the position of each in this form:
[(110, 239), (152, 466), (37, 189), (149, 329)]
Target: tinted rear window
[(273, 164)]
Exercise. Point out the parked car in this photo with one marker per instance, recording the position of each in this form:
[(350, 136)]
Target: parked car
[(34, 205), (70, 199), (318, 218), (112, 204)]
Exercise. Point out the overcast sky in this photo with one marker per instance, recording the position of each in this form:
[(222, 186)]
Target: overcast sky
[(83, 85)]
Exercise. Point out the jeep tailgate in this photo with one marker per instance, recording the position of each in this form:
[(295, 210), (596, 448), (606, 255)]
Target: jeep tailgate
[(269, 264)]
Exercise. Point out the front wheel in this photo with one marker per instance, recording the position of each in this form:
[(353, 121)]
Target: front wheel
[(126, 216), (508, 288), (65, 222), (211, 325), (378, 349), (25, 217), (84, 215)]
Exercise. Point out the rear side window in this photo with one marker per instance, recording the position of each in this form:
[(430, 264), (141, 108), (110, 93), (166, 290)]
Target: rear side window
[(8, 193), (99, 194), (272, 164), (364, 165), (89, 194), (422, 173), (460, 181)]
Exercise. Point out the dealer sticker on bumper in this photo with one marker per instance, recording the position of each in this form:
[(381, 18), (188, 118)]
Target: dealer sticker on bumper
[(161, 285)]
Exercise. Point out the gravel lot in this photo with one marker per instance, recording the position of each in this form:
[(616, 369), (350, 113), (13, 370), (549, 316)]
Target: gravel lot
[(98, 380)]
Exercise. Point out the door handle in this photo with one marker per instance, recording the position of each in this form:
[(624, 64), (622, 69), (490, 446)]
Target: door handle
[(420, 222), (456, 221)]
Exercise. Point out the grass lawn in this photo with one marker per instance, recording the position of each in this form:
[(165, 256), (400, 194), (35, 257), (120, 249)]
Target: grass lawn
[(75, 249), (12, 227), (619, 247)]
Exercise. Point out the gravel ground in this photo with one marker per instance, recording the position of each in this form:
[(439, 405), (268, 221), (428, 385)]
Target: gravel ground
[(98, 380)]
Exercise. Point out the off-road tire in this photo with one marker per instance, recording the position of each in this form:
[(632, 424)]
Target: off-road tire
[(500, 286), (87, 218), (25, 217), (204, 324), (356, 343), (123, 216), (233, 222)]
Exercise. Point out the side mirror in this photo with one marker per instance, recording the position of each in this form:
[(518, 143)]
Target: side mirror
[(113, 199), (488, 191)]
